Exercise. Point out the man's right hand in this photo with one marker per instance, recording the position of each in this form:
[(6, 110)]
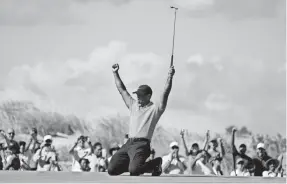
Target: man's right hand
[(116, 67)]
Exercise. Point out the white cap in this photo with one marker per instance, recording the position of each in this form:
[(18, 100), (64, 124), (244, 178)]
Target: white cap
[(173, 144), (47, 137), (260, 145)]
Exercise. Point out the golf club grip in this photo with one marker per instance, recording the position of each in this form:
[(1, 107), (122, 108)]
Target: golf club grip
[(171, 60)]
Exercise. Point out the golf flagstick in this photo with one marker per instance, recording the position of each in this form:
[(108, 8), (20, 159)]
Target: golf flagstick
[(175, 9)]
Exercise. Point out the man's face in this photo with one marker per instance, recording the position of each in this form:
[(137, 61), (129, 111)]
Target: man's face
[(272, 166), (242, 149), (240, 165), (48, 145), (84, 164), (34, 133), (174, 150), (11, 135), (260, 152), (143, 99), (213, 145), (195, 149), (81, 143), (98, 151)]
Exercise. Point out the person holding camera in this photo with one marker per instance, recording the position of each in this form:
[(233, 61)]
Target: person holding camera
[(46, 157), (173, 163), (12, 162), (79, 151), (98, 163), (33, 141)]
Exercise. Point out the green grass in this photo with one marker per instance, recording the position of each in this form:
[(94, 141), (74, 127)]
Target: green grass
[(22, 116)]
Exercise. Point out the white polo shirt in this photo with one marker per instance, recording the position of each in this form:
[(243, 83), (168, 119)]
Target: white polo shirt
[(143, 120)]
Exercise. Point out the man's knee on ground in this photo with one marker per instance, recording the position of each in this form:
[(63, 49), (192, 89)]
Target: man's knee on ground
[(134, 170), (112, 170)]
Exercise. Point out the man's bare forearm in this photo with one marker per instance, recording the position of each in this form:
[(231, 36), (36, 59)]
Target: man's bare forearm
[(168, 86), (166, 92), (119, 83)]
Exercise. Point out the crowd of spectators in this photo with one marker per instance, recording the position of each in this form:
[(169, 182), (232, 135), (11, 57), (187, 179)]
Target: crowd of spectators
[(86, 156)]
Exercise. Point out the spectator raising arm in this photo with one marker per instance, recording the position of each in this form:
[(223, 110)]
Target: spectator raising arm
[(72, 150), (233, 147), (221, 147), (184, 144), (167, 89), (205, 144), (121, 87)]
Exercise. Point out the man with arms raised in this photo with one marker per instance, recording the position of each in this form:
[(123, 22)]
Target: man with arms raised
[(144, 115)]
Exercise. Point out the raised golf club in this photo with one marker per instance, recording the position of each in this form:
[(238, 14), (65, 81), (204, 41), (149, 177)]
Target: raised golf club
[(175, 9)]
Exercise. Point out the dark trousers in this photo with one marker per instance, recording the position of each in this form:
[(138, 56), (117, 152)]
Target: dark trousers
[(132, 158)]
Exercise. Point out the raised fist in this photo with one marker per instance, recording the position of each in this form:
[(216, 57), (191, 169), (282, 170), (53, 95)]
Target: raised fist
[(115, 67), (171, 71)]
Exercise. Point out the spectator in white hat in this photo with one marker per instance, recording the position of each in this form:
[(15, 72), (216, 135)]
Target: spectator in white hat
[(260, 160), (46, 156), (240, 168), (173, 163)]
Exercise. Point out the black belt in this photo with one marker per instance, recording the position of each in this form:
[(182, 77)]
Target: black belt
[(135, 139)]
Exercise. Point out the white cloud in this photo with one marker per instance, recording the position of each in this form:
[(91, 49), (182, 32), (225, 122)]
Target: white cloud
[(219, 90), (79, 86), (232, 9), (196, 59), (217, 102), (194, 4)]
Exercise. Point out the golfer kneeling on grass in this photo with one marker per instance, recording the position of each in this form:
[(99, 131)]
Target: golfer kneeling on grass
[(144, 115)]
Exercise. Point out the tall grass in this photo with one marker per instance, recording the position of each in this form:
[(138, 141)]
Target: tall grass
[(22, 116)]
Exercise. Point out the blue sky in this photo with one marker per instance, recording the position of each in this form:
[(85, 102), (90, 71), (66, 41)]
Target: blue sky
[(229, 58)]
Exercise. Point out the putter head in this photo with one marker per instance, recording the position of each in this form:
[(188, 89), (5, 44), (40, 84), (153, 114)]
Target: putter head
[(174, 7)]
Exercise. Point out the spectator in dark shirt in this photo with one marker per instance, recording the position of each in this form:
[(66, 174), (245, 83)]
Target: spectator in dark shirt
[(248, 163), (260, 160)]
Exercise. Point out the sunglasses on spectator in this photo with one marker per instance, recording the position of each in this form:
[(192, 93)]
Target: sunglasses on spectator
[(48, 141), (174, 147), (11, 133)]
